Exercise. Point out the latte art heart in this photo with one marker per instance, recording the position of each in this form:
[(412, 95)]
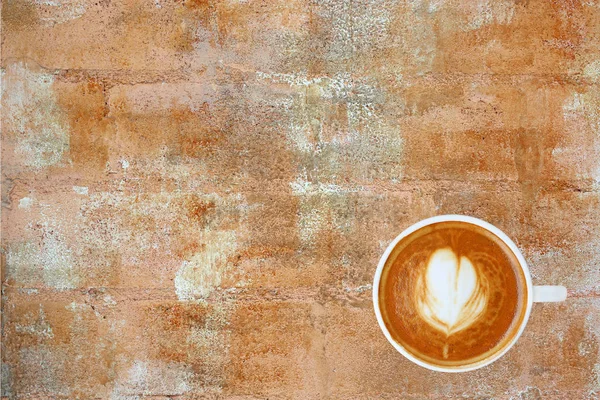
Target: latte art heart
[(449, 294)]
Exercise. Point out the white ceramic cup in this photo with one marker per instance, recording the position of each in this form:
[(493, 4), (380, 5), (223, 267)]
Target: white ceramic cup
[(534, 294)]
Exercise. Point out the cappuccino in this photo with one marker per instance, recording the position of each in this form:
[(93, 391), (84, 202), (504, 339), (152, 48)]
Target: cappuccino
[(452, 294)]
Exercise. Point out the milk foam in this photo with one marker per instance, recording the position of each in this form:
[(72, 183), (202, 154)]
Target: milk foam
[(450, 295)]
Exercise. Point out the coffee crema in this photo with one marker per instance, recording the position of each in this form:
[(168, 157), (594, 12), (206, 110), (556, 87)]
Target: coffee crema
[(452, 294)]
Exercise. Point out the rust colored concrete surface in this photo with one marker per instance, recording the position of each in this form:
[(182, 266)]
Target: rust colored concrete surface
[(195, 193)]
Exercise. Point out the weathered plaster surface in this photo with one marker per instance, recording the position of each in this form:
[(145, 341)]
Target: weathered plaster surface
[(195, 193)]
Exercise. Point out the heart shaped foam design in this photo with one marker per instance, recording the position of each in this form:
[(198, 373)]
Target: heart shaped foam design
[(450, 296)]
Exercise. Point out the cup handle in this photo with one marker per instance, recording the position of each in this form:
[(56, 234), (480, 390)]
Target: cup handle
[(545, 294)]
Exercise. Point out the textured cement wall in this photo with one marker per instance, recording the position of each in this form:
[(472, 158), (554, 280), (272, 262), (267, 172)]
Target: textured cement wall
[(195, 193)]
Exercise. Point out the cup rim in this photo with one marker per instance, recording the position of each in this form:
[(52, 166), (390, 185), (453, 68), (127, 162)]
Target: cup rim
[(448, 218)]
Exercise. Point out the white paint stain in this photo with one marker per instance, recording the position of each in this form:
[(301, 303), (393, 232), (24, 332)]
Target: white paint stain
[(50, 260), (487, 12), (54, 12), (371, 20), (299, 79), (303, 187), (151, 377), (57, 262), (36, 325), (83, 190), (124, 164), (33, 118), (25, 202), (592, 71), (310, 222), (109, 301), (573, 104), (595, 384), (435, 5), (29, 291), (357, 289), (199, 276), (357, 25)]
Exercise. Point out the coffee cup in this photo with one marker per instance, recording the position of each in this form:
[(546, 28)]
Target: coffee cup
[(453, 293)]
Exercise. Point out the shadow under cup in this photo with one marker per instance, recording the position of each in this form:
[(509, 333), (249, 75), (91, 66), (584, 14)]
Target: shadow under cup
[(487, 312)]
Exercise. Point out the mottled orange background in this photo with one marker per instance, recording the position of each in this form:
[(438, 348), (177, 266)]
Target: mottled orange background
[(195, 193)]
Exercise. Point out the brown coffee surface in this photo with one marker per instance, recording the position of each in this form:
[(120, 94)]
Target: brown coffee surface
[(452, 294)]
